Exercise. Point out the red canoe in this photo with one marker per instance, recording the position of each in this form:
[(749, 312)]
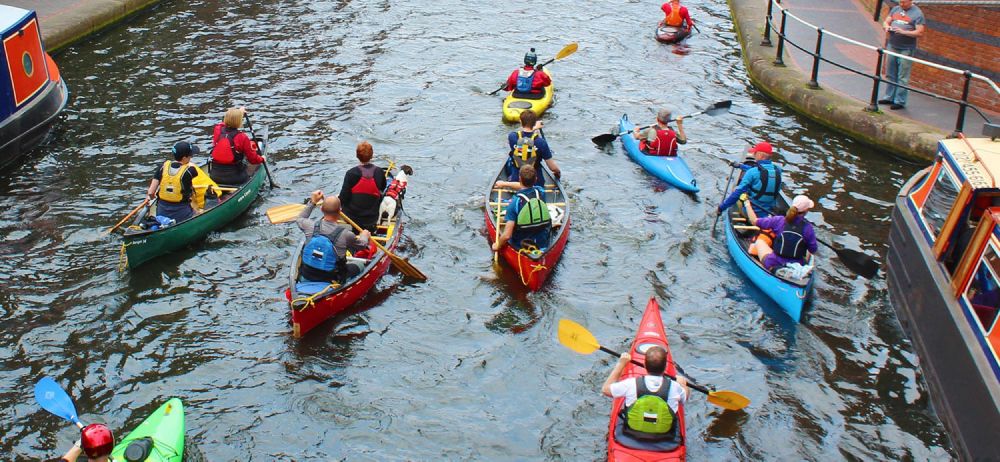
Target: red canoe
[(533, 267), (650, 333), (317, 304)]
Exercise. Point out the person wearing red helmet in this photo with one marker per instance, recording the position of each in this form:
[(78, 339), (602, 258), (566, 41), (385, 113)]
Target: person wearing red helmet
[(96, 441)]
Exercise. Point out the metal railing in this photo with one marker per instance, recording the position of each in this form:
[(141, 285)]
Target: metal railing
[(876, 76)]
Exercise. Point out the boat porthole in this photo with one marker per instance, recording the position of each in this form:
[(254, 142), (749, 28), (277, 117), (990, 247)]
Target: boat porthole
[(29, 68)]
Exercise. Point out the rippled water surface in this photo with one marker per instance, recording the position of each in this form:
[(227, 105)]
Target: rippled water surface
[(465, 366)]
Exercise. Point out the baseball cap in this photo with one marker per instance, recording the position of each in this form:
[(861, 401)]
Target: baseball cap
[(763, 146), (802, 203), (184, 148)]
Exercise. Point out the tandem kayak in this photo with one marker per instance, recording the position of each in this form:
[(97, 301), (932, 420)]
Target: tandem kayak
[(515, 103), (533, 266), (620, 446), (670, 34), (159, 438), (671, 169), (791, 294)]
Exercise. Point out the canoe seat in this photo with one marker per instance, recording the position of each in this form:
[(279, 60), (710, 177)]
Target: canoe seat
[(642, 445)]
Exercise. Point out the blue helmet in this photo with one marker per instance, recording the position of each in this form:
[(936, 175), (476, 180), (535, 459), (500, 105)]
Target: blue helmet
[(530, 58)]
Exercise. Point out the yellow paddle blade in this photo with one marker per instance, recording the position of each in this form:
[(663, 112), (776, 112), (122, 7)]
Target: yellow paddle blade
[(284, 213), (729, 400), (567, 50), (576, 337)]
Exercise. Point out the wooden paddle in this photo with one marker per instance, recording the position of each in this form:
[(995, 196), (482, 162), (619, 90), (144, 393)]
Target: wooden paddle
[(566, 51), (145, 202), (253, 137), (496, 253), (715, 109), (400, 263), (579, 339), (859, 262), (284, 213)]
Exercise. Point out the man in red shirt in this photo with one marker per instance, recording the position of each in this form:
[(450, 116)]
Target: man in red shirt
[(677, 16), (528, 80), (232, 150), (660, 139)]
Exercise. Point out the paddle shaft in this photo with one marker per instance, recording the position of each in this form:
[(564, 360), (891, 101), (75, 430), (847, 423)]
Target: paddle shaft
[(496, 253), (566, 51), (130, 214), (671, 377), (253, 138), (609, 137), (724, 194)]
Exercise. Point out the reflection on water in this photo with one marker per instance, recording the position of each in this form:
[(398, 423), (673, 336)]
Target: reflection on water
[(466, 365)]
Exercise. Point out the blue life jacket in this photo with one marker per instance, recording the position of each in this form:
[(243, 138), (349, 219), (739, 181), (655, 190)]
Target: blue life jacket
[(769, 187), (320, 256), (525, 80)]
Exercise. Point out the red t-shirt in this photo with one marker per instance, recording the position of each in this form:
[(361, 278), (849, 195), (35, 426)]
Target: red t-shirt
[(223, 154), (681, 18), (538, 81)]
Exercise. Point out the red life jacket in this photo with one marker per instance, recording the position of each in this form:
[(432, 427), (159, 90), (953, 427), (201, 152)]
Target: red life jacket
[(367, 185), (395, 189), (224, 152), (665, 143)]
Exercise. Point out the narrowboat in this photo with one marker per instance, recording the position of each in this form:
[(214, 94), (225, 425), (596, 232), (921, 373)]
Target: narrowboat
[(944, 283), (32, 94)]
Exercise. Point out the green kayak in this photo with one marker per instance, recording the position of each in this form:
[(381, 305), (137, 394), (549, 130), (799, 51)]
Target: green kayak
[(158, 438)]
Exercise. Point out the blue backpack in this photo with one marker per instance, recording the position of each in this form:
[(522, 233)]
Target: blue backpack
[(525, 79), (319, 252)]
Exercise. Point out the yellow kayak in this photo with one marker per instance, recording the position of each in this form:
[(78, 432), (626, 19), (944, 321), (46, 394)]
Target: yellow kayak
[(512, 106)]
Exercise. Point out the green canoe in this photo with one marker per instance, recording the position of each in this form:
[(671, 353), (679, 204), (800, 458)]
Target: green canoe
[(159, 438), (142, 245)]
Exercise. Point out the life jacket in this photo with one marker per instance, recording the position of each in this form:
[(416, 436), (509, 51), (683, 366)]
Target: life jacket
[(664, 145), (650, 416), (525, 80), (396, 190), (674, 19), (319, 258), (525, 152), (171, 186), (534, 213), (367, 185), (767, 186), (791, 243), (230, 156)]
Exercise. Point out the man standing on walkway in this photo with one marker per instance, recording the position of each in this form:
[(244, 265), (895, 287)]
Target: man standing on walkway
[(904, 24)]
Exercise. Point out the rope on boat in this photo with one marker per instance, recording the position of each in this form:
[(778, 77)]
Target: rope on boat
[(303, 303), (527, 250)]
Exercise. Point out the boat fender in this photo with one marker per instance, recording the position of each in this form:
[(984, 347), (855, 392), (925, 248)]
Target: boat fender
[(139, 450)]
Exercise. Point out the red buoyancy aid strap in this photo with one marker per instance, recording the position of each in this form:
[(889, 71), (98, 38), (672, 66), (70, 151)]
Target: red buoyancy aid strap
[(366, 184)]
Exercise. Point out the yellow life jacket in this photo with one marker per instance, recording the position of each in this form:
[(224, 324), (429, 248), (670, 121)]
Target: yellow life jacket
[(202, 184), (171, 189), (674, 18), (525, 150)]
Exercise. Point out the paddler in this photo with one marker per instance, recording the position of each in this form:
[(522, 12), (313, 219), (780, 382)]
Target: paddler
[(527, 218), (761, 181), (96, 441), (660, 139), (361, 193), (232, 150), (172, 184), (528, 147), (651, 401), (677, 16), (327, 242), (528, 80)]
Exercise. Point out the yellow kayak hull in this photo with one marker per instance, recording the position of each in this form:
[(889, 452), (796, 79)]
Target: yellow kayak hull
[(512, 106)]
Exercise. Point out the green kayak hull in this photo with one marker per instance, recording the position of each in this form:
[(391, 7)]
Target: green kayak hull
[(166, 427)]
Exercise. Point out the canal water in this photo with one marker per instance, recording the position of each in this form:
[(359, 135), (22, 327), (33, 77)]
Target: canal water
[(465, 366)]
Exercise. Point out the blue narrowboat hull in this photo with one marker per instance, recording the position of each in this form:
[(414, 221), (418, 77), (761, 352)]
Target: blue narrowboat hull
[(790, 297), (671, 169)]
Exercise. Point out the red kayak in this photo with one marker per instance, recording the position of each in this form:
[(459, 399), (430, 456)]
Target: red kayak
[(650, 333), (532, 265), (670, 34)]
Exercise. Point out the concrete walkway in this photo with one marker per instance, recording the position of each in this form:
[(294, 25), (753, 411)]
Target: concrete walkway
[(849, 19), (66, 21)]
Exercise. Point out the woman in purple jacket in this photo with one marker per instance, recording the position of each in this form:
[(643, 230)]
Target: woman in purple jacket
[(793, 236)]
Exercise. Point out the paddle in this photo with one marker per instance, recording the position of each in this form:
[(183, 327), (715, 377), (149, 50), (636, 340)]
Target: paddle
[(253, 137), (566, 51), (856, 261), (284, 213), (145, 201), (715, 109), (496, 253), (400, 263), (51, 397), (579, 339), (725, 193)]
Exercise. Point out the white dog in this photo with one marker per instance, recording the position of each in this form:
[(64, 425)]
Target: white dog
[(394, 195)]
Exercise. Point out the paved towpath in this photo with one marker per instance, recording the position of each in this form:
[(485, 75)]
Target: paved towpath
[(66, 21)]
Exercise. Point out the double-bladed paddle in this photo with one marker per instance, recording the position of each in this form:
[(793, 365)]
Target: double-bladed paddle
[(859, 262), (715, 109), (253, 137), (579, 339), (566, 51), (51, 397)]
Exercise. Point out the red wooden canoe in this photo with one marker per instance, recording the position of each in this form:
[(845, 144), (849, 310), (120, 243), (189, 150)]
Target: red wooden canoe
[(311, 309), (650, 333), (533, 267)]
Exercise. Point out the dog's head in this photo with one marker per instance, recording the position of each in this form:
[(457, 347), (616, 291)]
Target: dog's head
[(407, 169)]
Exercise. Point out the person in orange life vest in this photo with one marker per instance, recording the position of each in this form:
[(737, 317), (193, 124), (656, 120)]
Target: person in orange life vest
[(660, 140), (172, 184), (528, 79), (232, 150), (96, 441), (677, 16), (361, 193)]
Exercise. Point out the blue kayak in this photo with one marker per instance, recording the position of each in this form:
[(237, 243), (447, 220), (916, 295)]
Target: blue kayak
[(790, 294), (671, 169)]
